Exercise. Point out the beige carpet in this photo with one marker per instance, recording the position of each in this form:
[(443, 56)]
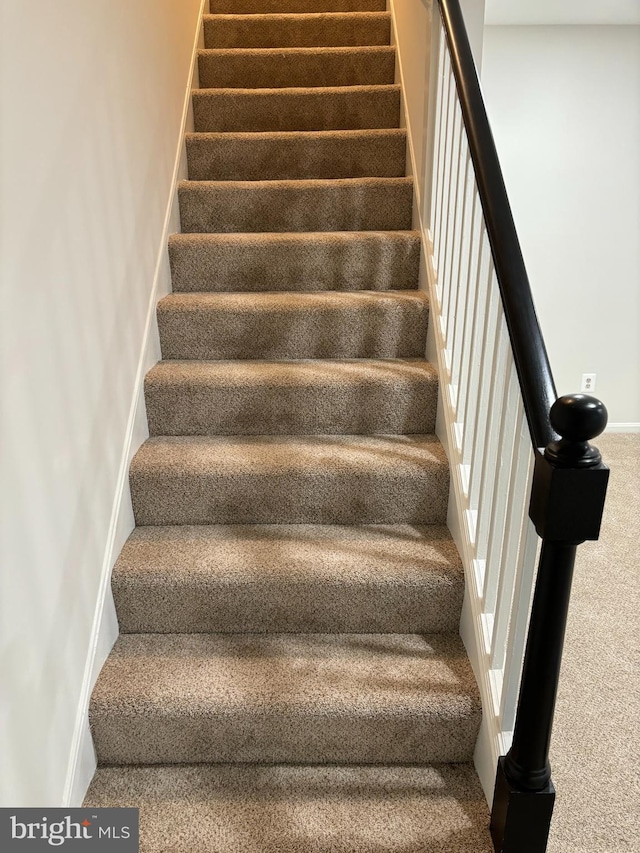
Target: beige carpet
[(292, 483), (295, 307), (596, 741), (244, 809)]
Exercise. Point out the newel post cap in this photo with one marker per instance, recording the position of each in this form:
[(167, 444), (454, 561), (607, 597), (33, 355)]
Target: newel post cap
[(576, 418)]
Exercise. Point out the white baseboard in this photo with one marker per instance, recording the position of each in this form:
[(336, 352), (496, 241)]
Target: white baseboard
[(82, 761), (628, 427)]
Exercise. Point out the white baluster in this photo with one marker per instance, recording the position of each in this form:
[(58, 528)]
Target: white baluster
[(496, 514), (455, 219), (475, 346), (437, 172), (489, 341), (498, 378), (446, 175), (517, 631), (444, 270), (461, 302), (517, 505)]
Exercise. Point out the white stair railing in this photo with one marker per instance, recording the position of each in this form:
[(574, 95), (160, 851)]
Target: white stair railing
[(521, 463), (491, 446)]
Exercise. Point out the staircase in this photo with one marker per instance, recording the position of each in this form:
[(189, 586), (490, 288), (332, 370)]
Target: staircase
[(289, 675)]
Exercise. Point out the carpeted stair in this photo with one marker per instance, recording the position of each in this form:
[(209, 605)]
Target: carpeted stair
[(289, 676)]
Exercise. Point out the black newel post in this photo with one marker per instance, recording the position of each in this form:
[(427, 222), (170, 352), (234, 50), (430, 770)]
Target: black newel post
[(567, 499)]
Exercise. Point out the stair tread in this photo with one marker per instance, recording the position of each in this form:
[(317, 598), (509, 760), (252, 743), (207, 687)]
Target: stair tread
[(320, 672), (299, 52), (312, 17), (290, 578), (323, 455), (313, 92), (247, 553), (289, 300), (309, 373), (311, 135), (297, 184), (295, 809), (317, 698), (243, 238)]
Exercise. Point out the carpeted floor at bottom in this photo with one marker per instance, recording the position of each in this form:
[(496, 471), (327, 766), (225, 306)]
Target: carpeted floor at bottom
[(253, 809)]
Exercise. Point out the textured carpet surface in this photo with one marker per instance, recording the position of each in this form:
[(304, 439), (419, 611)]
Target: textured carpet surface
[(315, 396), (359, 324), (437, 809), (334, 29), (301, 154), (320, 108), (285, 698), (290, 480), (295, 262), (595, 749), (266, 7), (289, 676), (295, 578), (344, 204), (253, 68)]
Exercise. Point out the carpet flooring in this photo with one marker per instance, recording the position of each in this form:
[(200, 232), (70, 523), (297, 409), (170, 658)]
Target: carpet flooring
[(595, 751), (289, 674)]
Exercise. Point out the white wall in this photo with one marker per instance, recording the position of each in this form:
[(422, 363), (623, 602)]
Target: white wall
[(474, 18), (520, 12), (564, 104), (93, 97)]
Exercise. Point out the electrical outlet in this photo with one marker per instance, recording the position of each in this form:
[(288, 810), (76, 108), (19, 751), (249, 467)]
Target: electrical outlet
[(588, 383)]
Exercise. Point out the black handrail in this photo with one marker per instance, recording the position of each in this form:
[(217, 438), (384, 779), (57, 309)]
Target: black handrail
[(529, 351), (568, 489)]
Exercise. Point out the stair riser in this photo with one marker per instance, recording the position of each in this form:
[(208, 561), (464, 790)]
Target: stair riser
[(253, 157), (297, 31), (378, 329), (259, 69), (295, 109), (292, 497), (330, 262), (275, 7), (289, 578), (283, 738), (383, 204), (397, 407), (148, 605)]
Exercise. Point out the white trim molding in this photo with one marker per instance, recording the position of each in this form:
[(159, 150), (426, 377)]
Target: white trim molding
[(631, 427)]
